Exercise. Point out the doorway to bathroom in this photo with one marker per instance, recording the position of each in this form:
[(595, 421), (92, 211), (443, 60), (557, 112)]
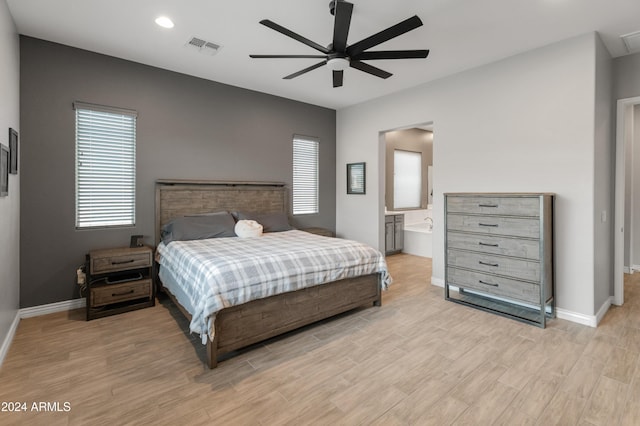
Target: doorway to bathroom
[(408, 189), (627, 194)]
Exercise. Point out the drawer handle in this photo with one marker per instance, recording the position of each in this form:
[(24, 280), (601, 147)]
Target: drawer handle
[(488, 205), (122, 294), (488, 264), (122, 262), (493, 225), (488, 245), (485, 283)]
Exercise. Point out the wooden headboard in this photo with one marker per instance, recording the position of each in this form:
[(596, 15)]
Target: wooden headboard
[(175, 198)]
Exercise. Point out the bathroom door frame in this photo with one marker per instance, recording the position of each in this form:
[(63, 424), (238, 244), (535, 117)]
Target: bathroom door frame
[(620, 199)]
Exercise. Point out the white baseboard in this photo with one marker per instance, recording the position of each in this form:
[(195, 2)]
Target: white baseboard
[(36, 311), (4, 349), (603, 309), (634, 268), (589, 320), (437, 282), (627, 270), (65, 305)]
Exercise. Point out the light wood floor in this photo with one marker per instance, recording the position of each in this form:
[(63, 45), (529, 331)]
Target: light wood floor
[(416, 360)]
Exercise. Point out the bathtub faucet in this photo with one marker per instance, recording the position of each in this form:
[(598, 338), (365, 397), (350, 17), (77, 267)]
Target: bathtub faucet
[(429, 221)]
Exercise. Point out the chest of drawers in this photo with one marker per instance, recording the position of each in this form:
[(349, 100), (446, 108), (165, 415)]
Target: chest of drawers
[(499, 253)]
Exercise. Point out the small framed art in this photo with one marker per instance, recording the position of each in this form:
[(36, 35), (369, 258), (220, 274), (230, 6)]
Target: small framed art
[(4, 171), (13, 151), (356, 178)]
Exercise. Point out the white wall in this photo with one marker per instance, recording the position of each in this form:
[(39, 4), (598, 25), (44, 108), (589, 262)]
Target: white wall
[(604, 144), (523, 124), (9, 206)]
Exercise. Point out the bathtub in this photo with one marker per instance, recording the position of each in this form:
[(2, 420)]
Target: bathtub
[(417, 239)]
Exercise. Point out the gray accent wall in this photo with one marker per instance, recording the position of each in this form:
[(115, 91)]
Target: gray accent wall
[(188, 128), (9, 205)]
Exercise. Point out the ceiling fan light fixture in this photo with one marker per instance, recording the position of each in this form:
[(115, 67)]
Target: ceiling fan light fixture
[(338, 64)]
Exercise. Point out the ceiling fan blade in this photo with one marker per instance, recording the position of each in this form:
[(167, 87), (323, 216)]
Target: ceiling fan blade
[(297, 37), (341, 25), (370, 69), (287, 56), (384, 35), (299, 73), (391, 54), (337, 78)]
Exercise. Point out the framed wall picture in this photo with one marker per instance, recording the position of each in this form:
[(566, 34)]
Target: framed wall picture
[(4, 171), (356, 178), (13, 151)]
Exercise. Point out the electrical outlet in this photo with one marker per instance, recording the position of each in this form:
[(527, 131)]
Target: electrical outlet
[(82, 277)]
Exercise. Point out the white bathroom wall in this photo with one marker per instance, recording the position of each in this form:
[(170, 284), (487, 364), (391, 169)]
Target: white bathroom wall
[(523, 124)]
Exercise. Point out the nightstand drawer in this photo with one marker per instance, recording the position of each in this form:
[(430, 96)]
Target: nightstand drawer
[(319, 231), (115, 293), (120, 262)]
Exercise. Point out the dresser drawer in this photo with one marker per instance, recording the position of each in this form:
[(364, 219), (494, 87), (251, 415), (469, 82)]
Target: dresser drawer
[(499, 265), (495, 225), (120, 261), (114, 293), (505, 206), (497, 286), (517, 247)]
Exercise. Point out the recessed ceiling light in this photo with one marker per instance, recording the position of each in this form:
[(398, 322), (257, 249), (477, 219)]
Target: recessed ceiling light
[(164, 22)]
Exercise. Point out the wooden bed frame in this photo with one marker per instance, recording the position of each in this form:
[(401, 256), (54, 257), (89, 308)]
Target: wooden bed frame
[(252, 322)]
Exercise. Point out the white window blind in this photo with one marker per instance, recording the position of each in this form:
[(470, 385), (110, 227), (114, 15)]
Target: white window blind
[(407, 179), (105, 166), (305, 175)]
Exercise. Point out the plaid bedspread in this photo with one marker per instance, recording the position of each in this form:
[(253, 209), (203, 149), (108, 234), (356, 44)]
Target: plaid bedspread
[(220, 272)]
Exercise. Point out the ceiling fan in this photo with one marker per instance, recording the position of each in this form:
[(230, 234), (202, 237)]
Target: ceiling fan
[(338, 56)]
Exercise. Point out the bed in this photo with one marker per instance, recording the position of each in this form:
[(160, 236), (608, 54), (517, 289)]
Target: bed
[(230, 323)]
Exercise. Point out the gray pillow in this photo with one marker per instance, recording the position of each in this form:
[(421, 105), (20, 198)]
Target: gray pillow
[(271, 222), (198, 227)]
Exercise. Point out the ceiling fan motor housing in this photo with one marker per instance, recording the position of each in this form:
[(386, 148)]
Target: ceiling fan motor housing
[(332, 6)]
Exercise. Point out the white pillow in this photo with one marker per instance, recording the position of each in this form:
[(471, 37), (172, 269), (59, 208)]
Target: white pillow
[(248, 229)]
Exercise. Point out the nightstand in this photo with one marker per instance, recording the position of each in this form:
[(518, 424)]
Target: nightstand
[(319, 231), (119, 280)]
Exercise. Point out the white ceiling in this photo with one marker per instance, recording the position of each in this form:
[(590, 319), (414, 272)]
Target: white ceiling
[(461, 34)]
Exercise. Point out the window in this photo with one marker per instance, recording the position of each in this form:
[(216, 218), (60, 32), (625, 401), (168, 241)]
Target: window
[(407, 179), (105, 166), (305, 175)]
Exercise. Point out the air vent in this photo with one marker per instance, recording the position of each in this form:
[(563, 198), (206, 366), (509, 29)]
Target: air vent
[(632, 41), (203, 46)]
